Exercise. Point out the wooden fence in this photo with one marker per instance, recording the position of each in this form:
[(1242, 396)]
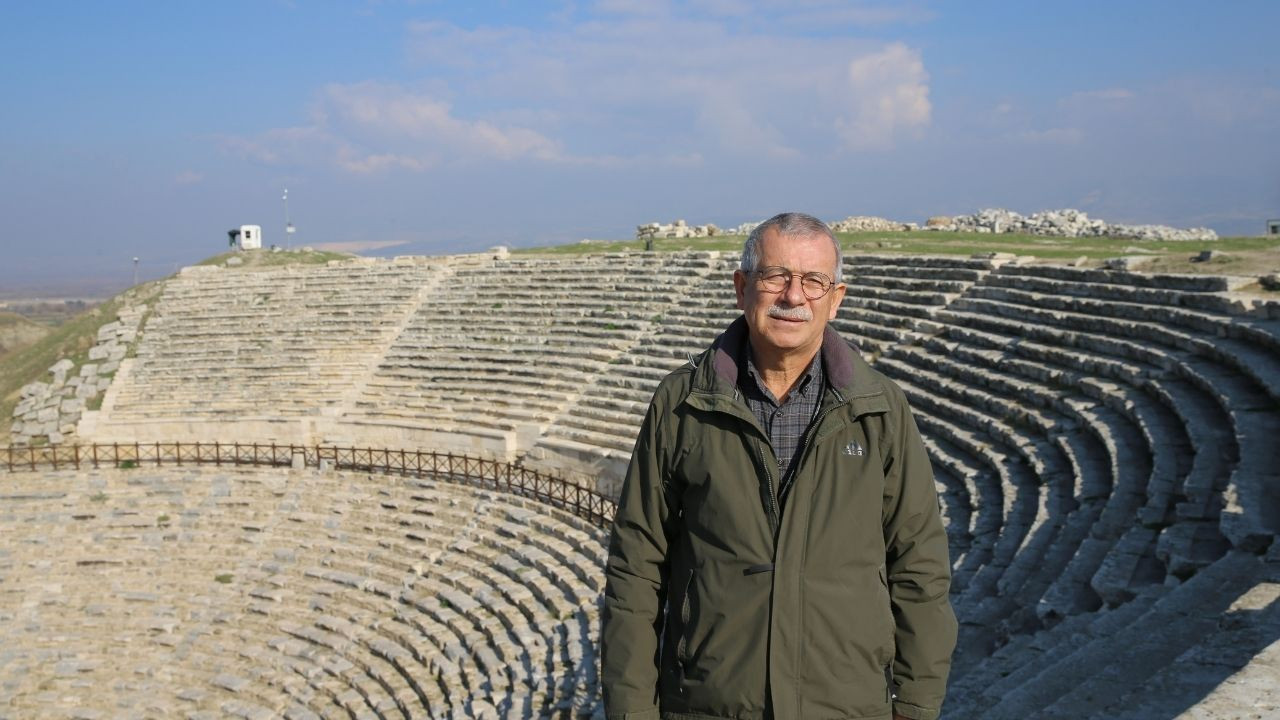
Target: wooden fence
[(487, 474)]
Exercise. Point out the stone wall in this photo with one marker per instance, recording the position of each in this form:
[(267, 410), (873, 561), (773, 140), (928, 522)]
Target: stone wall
[(48, 411)]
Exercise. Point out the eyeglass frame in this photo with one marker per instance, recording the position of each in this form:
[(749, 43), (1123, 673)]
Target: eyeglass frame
[(826, 280)]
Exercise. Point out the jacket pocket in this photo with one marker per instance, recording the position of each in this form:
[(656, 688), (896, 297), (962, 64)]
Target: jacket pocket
[(886, 608), (686, 614)]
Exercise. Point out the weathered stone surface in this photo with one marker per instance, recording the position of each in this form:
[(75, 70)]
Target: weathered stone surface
[(866, 223), (678, 229)]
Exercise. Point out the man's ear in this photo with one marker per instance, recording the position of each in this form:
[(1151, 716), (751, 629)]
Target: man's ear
[(740, 287), (837, 297)]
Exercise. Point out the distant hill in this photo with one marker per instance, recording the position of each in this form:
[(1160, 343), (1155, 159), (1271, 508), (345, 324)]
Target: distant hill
[(18, 332)]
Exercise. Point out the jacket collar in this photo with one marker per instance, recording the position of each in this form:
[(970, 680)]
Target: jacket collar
[(848, 374)]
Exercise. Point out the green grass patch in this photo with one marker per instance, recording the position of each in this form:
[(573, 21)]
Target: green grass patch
[(258, 259), (72, 340), (224, 578), (929, 242), (127, 465), (98, 497)]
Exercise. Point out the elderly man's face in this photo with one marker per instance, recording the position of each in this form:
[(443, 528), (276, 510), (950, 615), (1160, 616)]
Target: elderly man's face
[(788, 322)]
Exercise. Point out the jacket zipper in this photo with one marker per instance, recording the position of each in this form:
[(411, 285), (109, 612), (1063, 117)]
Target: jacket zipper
[(804, 443), (775, 518)]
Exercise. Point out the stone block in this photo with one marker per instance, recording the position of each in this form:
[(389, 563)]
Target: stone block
[(35, 389), (72, 405), (63, 365), (88, 370), (56, 438), (109, 368), (87, 390), (108, 331), (98, 352), (48, 414), (116, 353)]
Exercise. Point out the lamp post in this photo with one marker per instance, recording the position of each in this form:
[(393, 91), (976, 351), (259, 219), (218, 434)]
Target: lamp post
[(288, 226)]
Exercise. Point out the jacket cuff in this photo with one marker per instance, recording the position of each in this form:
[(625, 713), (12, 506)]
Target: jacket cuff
[(915, 712)]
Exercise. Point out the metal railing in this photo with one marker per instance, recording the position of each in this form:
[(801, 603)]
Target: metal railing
[(463, 469)]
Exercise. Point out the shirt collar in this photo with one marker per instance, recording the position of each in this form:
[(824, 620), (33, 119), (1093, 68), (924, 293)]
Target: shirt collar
[(812, 377)]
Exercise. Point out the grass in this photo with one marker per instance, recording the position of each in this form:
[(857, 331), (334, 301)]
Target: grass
[(258, 259), (71, 340), (928, 242), (223, 578)]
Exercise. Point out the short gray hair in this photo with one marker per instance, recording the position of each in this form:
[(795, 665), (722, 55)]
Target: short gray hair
[(789, 224)]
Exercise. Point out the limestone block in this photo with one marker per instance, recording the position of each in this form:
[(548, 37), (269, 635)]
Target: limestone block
[(108, 331), (128, 336), (109, 368), (75, 382), (72, 405), (55, 438), (117, 352), (88, 370), (87, 390), (69, 423), (63, 365), (35, 389), (47, 415), (98, 352)]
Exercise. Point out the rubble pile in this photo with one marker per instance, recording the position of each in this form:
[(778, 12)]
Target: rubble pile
[(678, 229), (1063, 223), (868, 223)]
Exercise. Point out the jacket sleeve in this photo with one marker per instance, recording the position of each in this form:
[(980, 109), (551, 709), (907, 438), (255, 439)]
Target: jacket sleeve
[(636, 581), (919, 571)]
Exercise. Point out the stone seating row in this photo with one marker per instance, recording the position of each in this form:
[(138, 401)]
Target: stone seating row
[(1102, 662), (353, 577), (1237, 392), (1250, 350)]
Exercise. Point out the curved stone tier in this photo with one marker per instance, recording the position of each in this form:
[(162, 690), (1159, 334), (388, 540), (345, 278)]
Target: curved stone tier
[(272, 593), (1104, 441)]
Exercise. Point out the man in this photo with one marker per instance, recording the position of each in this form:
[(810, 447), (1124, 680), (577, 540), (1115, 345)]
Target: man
[(777, 550)]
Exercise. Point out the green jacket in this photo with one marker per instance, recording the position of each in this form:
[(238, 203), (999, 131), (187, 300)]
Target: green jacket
[(716, 606)]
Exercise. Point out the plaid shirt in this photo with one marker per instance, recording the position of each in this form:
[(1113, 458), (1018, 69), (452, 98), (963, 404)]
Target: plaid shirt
[(785, 424)]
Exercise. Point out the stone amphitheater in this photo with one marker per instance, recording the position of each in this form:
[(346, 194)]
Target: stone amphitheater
[(1105, 446)]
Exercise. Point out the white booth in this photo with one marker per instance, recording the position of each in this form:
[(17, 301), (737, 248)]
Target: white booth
[(250, 237)]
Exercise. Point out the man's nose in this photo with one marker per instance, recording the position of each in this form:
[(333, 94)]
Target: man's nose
[(793, 293)]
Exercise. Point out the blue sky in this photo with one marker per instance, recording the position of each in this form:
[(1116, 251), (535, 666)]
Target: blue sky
[(149, 129)]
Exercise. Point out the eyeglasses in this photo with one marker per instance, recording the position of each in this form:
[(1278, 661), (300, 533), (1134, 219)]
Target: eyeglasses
[(775, 279)]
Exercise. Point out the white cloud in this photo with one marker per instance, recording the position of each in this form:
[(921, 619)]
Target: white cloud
[(428, 126), (888, 92), (625, 83)]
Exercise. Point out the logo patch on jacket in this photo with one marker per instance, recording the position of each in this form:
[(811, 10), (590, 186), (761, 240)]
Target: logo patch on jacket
[(854, 449)]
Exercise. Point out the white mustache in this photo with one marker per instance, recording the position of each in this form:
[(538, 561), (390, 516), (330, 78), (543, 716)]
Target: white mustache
[(798, 312)]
